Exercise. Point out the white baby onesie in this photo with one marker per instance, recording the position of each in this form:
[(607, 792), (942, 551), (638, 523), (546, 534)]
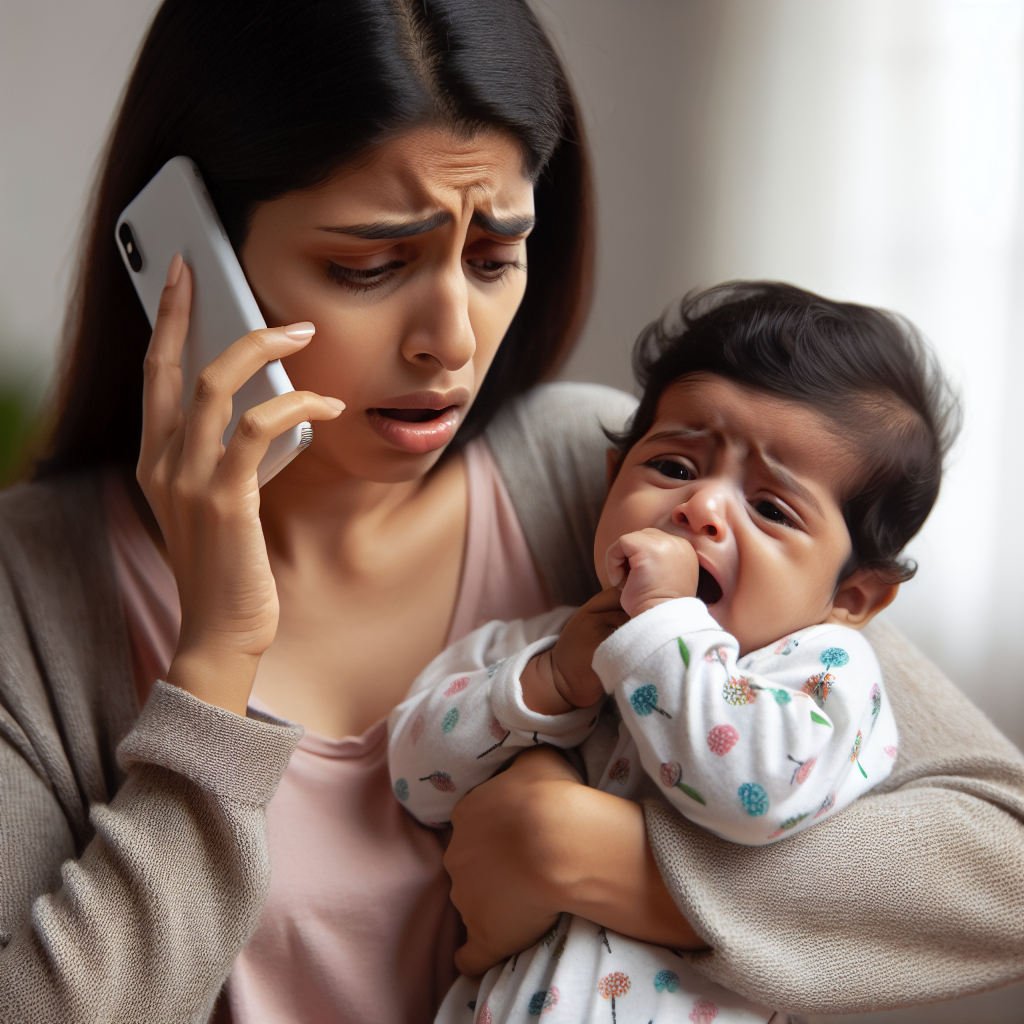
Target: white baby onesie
[(753, 749)]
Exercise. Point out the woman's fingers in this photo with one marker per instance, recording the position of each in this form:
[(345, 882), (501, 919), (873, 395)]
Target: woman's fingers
[(210, 409), (161, 389), (260, 425)]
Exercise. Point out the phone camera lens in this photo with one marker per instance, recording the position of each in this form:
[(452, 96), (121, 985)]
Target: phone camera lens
[(131, 249)]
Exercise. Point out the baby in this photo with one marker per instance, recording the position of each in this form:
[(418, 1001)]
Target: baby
[(785, 450)]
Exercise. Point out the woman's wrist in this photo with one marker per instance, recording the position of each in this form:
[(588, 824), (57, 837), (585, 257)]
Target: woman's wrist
[(222, 678)]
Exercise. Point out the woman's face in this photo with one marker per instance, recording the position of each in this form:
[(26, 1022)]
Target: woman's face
[(411, 263)]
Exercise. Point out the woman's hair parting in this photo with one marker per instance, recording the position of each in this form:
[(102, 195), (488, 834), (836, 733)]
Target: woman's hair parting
[(269, 96), (867, 370)]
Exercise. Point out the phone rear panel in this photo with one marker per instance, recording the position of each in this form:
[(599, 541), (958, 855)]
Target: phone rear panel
[(174, 213)]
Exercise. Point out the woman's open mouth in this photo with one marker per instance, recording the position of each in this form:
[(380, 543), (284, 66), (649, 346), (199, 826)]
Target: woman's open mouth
[(708, 589), (417, 431)]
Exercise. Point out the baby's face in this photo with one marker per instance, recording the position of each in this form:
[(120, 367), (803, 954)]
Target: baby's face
[(752, 481)]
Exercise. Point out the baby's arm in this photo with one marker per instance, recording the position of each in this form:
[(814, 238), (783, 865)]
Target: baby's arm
[(465, 716), (753, 749)]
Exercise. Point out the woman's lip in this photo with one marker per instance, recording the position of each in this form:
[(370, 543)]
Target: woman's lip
[(415, 438), (427, 400)]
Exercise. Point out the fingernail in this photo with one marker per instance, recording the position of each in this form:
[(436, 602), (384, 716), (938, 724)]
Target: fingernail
[(300, 331), (335, 403), (174, 270)]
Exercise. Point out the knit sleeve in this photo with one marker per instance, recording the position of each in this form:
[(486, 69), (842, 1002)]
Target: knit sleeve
[(914, 893), (146, 922)]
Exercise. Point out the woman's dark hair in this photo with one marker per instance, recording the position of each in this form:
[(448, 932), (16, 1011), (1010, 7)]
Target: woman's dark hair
[(866, 370), (268, 96)]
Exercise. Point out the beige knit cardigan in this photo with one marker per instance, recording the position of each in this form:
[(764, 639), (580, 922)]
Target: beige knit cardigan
[(133, 854)]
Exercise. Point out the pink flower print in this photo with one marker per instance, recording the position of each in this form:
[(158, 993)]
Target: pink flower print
[(457, 686), (876, 700), (786, 645), (619, 772), (417, 729), (704, 1011), (671, 773), (803, 769), (855, 753), (496, 730), (826, 805), (441, 781), (612, 985), (717, 654), (722, 739), (892, 752), (738, 691), (485, 1015)]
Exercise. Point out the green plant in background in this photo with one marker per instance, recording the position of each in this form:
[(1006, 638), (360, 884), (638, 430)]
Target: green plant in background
[(19, 425)]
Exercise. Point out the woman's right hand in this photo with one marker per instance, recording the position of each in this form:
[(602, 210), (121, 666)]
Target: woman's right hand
[(206, 497)]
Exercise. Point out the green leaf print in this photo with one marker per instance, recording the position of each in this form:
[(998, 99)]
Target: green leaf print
[(815, 717), (450, 720), (685, 652)]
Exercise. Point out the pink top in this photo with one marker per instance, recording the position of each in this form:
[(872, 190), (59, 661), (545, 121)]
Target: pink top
[(358, 925)]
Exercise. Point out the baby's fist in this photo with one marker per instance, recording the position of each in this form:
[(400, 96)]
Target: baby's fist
[(650, 567)]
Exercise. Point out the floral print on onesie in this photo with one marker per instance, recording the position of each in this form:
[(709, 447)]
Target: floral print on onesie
[(754, 749)]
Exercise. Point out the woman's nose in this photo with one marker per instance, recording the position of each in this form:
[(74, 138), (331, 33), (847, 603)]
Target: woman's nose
[(441, 330), (704, 512)]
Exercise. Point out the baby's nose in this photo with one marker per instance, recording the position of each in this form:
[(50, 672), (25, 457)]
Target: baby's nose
[(703, 512)]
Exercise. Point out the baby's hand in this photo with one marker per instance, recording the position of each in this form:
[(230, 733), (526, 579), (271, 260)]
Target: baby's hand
[(562, 678), (651, 566)]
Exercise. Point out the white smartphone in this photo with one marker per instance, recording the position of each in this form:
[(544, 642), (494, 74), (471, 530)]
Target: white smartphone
[(174, 213)]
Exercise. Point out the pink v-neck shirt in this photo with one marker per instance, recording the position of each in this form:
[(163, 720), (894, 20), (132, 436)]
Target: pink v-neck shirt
[(358, 926)]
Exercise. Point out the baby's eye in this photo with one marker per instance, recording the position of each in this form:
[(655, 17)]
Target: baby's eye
[(769, 510), (672, 469)]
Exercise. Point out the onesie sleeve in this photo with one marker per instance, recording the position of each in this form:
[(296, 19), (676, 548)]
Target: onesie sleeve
[(755, 748), (465, 716)]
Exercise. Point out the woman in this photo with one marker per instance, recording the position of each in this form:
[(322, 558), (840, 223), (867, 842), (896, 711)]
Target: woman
[(386, 171)]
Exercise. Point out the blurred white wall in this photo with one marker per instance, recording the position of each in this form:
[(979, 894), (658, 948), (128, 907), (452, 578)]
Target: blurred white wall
[(867, 149)]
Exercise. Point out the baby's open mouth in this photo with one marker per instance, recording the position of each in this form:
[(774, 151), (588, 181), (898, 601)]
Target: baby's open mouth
[(415, 415), (708, 589)]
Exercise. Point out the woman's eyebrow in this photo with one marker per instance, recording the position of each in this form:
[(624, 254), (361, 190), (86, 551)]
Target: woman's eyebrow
[(508, 227), (393, 228)]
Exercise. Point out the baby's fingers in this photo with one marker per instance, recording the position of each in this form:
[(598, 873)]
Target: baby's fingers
[(616, 563), (260, 425)]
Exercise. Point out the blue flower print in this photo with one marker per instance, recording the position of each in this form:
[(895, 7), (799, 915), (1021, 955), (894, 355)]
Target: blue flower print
[(645, 701), (754, 799), (402, 790), (666, 981), (834, 657)]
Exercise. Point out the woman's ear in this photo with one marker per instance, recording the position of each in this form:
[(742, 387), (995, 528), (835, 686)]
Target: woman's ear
[(860, 597)]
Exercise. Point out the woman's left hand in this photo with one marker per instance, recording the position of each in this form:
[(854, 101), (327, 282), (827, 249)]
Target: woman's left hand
[(534, 842)]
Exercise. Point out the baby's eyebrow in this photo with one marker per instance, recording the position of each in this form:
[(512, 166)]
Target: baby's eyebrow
[(789, 482), (679, 434)]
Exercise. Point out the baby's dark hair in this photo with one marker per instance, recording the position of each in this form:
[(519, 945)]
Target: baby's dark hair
[(867, 370)]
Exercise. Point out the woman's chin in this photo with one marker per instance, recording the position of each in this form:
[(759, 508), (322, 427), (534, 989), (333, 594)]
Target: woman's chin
[(416, 438)]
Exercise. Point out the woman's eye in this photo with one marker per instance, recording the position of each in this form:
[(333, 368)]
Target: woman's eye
[(493, 270), (362, 280), (769, 510), (672, 469)]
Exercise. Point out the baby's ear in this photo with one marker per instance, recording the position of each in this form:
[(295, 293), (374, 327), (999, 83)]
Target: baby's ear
[(861, 596)]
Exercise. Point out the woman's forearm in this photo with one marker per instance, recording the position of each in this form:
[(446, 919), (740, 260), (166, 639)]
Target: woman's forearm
[(534, 842), (608, 873)]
